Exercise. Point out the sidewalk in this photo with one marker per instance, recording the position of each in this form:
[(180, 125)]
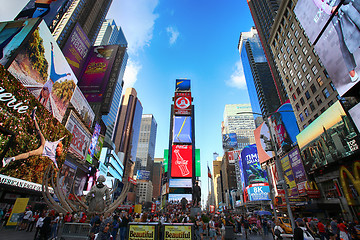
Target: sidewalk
[(11, 234)]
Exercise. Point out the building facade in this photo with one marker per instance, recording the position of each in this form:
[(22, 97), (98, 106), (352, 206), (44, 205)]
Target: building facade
[(157, 177), (109, 34), (144, 191)]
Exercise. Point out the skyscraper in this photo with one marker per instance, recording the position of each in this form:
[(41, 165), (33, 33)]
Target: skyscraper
[(259, 81), (156, 178), (110, 33), (146, 145)]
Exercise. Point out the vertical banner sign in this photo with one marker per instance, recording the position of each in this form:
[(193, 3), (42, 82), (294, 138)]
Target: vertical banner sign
[(19, 207), (298, 169), (182, 104), (289, 176), (93, 143), (181, 161)]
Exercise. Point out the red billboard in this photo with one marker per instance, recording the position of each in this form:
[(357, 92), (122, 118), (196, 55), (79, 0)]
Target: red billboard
[(182, 104), (181, 161)]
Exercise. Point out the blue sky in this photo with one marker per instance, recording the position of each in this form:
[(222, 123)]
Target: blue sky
[(169, 39)]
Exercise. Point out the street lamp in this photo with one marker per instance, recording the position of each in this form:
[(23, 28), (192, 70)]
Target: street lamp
[(277, 164)]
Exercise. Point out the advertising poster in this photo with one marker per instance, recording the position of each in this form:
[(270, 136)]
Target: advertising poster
[(229, 141), (177, 197), (330, 137), (338, 45), (289, 176), (19, 207), (180, 183), (177, 232), (259, 192), (47, 10), (260, 143), (80, 181), (182, 103), (355, 115), (181, 161), (99, 146), (12, 35), (298, 169), (81, 136), (182, 130), (166, 159), (43, 69), (143, 175), (92, 146), (142, 232), (97, 69), (76, 49), (67, 176), (197, 163), (234, 156), (182, 85), (82, 107), (15, 116), (283, 124)]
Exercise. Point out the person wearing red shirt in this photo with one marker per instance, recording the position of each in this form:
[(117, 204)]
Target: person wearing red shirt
[(343, 230), (322, 230)]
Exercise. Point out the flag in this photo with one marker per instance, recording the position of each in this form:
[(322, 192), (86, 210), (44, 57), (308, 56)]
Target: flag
[(209, 173)]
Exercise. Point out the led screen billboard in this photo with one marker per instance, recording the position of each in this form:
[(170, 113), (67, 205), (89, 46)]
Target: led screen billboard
[(93, 142), (166, 159), (67, 175), (97, 70), (181, 161), (338, 44), (76, 50), (80, 182), (182, 103), (330, 137), (259, 192), (43, 69), (180, 183), (12, 36), (229, 141), (355, 115), (16, 107), (143, 175), (260, 143), (177, 197), (182, 130), (82, 107), (197, 163), (234, 156), (182, 85), (81, 136), (289, 176), (298, 169)]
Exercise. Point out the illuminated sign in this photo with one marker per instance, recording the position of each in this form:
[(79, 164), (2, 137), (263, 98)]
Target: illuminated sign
[(182, 85), (138, 232), (182, 104), (7, 180), (229, 141), (181, 161), (182, 130), (180, 183)]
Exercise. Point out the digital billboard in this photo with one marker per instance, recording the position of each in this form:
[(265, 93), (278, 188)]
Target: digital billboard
[(180, 183), (182, 130), (67, 175), (177, 197), (259, 192), (338, 45), (197, 163), (289, 176), (260, 143), (284, 126), (355, 115), (181, 161), (234, 156), (76, 50), (43, 69), (97, 69), (182, 85), (93, 142), (166, 159), (82, 107), (80, 181), (99, 146), (328, 138), (298, 169), (229, 141), (48, 10), (182, 103), (81, 136), (23, 117), (12, 36), (143, 175)]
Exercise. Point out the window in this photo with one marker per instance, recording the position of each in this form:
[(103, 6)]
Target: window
[(330, 103), (291, 72), (292, 26), (314, 70), (282, 63), (288, 64), (307, 95), (298, 91), (279, 56), (306, 111), (313, 88), (303, 85), (300, 58), (290, 87), (297, 106), (320, 82), (325, 92), (285, 56), (304, 67), (318, 99), (299, 75), (291, 57), (309, 59), (287, 79), (292, 42), (289, 34), (288, 49), (300, 42), (319, 61), (332, 86), (326, 74), (295, 65), (284, 70), (296, 34), (282, 49), (305, 51), (312, 107), (322, 110), (294, 96), (308, 77), (316, 115), (302, 101), (305, 125), (285, 42), (301, 117), (296, 50), (295, 81)]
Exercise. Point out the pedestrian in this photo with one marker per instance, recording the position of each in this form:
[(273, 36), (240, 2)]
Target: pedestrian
[(298, 232), (322, 231), (54, 226), (26, 219), (45, 230), (278, 231), (39, 224), (342, 230), (212, 229), (259, 225), (32, 221), (334, 228), (125, 219), (95, 228), (115, 226), (246, 226), (104, 233), (264, 223)]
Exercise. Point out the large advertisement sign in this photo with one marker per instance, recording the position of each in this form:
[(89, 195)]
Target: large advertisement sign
[(259, 192), (94, 140), (289, 176), (80, 182), (177, 197), (234, 156), (76, 50), (182, 104), (355, 115), (47, 10), (142, 232), (67, 176), (229, 141), (338, 45), (95, 77), (182, 130), (16, 107), (181, 161), (298, 169), (143, 175), (82, 106), (330, 137), (263, 131), (197, 163), (284, 126), (12, 36), (180, 183), (182, 231), (182, 85), (43, 69), (81, 136), (19, 207)]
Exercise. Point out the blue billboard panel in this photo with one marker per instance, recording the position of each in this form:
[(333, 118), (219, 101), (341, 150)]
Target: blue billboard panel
[(180, 183), (182, 85), (182, 130), (143, 175), (259, 193), (229, 141)]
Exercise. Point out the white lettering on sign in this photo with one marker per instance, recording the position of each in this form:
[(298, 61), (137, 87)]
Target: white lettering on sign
[(11, 101), (251, 158), (21, 183)]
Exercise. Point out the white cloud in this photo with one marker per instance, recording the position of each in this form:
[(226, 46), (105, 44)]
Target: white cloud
[(10, 9), (130, 75), (173, 34), (237, 78)]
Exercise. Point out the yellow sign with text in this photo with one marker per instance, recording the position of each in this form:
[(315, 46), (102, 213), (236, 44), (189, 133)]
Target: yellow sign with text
[(19, 207), (138, 208), (177, 232), (141, 232)]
